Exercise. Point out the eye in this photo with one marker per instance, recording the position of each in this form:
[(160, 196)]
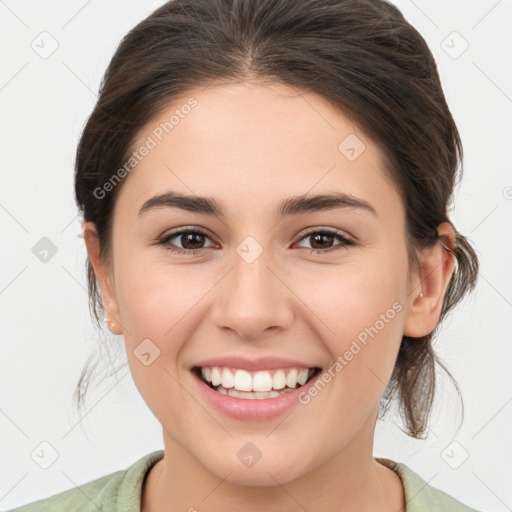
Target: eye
[(191, 240), (325, 237)]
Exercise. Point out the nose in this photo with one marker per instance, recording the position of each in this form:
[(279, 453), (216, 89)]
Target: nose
[(253, 300)]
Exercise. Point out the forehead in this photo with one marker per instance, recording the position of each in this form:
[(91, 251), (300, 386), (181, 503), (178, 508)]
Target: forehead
[(254, 142)]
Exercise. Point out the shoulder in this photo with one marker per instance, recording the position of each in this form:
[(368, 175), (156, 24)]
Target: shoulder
[(119, 491), (419, 495)]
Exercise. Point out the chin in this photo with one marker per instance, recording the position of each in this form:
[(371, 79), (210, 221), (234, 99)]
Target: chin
[(256, 462), (262, 475)]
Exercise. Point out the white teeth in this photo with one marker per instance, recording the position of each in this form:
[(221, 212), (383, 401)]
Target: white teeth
[(216, 376), (260, 395), (303, 376), (243, 380), (228, 380), (262, 381), (291, 378), (207, 374), (258, 382), (241, 394), (279, 380)]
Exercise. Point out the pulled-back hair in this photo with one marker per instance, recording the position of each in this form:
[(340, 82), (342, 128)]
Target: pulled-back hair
[(362, 55)]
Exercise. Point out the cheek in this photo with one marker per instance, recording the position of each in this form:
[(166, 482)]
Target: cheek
[(353, 296), (154, 297), (156, 304), (361, 306), (161, 307)]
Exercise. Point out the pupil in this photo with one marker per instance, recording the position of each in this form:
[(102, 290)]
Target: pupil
[(316, 237), (191, 237)]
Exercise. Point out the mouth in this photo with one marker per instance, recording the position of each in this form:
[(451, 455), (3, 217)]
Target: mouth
[(254, 385)]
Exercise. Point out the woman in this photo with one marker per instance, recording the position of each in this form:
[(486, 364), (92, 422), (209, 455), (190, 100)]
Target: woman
[(264, 187)]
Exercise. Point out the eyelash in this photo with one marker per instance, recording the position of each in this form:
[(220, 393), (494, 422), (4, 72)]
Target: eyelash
[(346, 242)]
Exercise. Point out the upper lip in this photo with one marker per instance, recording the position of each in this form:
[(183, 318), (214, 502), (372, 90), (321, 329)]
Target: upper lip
[(260, 363)]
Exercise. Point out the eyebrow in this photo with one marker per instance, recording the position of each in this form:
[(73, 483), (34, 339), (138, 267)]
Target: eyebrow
[(294, 205)]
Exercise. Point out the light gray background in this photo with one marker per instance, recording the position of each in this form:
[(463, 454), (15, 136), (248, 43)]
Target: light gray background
[(45, 330)]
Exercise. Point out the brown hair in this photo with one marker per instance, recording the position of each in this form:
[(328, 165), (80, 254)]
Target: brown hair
[(362, 55)]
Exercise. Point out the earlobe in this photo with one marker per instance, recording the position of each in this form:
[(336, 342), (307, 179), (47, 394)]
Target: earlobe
[(104, 278), (437, 264)]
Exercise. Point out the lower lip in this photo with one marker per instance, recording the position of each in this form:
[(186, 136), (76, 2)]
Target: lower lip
[(253, 409)]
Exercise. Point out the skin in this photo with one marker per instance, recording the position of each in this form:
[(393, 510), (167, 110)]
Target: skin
[(250, 145)]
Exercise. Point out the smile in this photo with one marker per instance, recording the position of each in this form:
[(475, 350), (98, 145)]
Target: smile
[(240, 383)]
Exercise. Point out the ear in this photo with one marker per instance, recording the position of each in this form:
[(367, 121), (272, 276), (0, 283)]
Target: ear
[(423, 312), (104, 276)]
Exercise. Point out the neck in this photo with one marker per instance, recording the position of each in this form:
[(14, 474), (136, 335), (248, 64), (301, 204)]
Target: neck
[(351, 480)]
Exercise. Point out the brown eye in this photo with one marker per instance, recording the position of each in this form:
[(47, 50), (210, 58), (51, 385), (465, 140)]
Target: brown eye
[(321, 240), (191, 240)]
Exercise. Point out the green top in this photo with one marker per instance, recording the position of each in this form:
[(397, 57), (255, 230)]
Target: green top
[(121, 492)]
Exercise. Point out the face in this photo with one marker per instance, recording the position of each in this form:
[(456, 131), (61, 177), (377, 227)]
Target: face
[(316, 284)]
